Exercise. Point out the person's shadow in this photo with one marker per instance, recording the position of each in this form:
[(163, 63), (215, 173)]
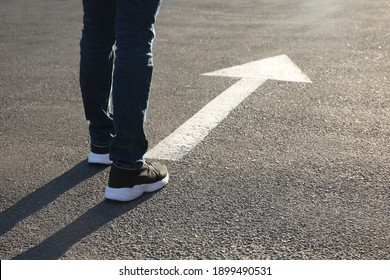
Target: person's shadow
[(56, 245)]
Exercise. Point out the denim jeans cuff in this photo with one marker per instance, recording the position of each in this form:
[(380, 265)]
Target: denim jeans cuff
[(100, 145), (128, 166)]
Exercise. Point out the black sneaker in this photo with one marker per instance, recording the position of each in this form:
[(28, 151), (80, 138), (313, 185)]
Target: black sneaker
[(99, 156), (99, 159), (127, 185)]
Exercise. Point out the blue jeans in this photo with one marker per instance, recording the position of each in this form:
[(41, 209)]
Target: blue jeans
[(126, 69)]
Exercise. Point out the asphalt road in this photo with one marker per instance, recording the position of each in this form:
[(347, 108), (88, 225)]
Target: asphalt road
[(296, 171)]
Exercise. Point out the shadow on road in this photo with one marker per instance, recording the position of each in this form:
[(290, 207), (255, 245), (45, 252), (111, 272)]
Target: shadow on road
[(46, 194), (56, 245)]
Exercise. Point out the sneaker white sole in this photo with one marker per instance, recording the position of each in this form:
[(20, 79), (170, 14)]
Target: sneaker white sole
[(128, 194), (99, 158)]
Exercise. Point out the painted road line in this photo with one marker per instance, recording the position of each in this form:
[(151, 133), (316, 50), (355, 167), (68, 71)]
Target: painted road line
[(253, 75), (189, 134)]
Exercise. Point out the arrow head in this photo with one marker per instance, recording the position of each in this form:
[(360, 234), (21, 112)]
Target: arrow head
[(274, 68)]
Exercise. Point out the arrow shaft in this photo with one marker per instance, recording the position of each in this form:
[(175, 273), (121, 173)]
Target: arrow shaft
[(188, 135)]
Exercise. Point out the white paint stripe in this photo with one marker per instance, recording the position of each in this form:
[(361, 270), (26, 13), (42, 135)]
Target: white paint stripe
[(188, 135)]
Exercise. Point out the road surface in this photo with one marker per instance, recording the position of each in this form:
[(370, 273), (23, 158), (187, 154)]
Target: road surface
[(295, 170)]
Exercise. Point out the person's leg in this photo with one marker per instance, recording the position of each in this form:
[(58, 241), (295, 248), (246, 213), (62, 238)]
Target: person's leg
[(132, 79), (130, 176), (96, 63)]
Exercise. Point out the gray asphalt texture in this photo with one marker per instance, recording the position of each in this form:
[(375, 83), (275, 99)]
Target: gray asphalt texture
[(296, 171)]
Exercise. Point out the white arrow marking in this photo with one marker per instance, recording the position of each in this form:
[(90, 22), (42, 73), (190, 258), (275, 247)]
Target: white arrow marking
[(253, 75)]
